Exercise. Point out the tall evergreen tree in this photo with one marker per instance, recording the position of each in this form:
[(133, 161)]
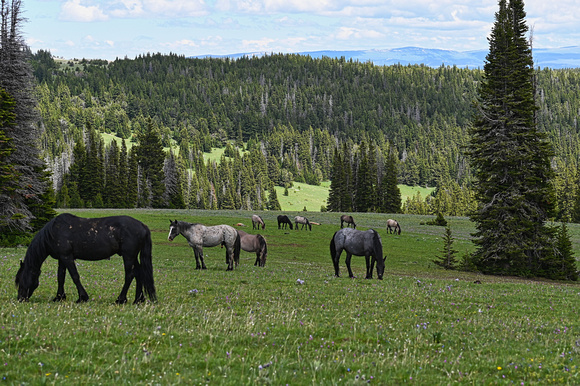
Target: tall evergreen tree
[(17, 80), (173, 195), (389, 193), (151, 158), (510, 156), (8, 174)]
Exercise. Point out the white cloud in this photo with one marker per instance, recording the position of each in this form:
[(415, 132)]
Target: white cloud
[(73, 10)]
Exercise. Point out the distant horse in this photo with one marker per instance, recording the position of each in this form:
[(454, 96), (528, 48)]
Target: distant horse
[(257, 221), (302, 220), (255, 243), (345, 218), (393, 225), (199, 236), (359, 243), (284, 221), (67, 238)]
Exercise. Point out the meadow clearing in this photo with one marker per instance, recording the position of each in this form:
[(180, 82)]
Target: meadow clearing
[(292, 322)]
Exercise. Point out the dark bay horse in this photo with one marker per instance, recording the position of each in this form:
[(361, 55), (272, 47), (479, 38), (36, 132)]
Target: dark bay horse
[(345, 218), (255, 243), (199, 236), (393, 226), (257, 221), (302, 220), (68, 237), (359, 243), (284, 221)]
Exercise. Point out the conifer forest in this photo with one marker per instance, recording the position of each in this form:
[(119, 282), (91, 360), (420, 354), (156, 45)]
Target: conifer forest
[(281, 118)]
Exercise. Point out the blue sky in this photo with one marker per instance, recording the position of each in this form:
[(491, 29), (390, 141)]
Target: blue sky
[(109, 29)]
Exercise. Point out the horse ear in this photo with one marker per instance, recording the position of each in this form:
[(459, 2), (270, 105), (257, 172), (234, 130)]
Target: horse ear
[(385, 258)]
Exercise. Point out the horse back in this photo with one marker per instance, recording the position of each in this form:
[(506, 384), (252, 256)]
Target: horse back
[(97, 238)]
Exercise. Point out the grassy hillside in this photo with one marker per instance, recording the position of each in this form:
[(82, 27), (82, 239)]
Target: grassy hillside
[(293, 321)]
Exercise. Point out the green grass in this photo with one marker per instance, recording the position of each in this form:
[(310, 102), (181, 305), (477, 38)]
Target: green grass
[(420, 325)]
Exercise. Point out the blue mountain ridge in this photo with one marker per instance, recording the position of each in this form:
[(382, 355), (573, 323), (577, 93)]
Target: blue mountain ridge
[(555, 58)]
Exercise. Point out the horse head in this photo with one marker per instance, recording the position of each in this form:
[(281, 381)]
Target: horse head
[(26, 281), (381, 267), (173, 230)]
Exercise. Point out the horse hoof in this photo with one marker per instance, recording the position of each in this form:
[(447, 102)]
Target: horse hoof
[(121, 301), (59, 298)]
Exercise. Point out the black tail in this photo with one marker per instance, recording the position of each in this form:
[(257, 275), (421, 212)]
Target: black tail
[(333, 254), (147, 268), (237, 247)]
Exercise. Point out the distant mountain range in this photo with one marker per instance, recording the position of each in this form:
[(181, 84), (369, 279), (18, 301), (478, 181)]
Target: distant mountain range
[(564, 57)]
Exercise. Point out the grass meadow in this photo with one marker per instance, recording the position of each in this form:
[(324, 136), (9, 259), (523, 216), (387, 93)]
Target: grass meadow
[(292, 322)]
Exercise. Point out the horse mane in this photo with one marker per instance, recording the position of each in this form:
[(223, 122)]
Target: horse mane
[(377, 247), (36, 252)]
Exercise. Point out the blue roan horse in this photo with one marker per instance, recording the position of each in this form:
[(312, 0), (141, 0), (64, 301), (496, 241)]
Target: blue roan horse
[(359, 243), (68, 237), (199, 236)]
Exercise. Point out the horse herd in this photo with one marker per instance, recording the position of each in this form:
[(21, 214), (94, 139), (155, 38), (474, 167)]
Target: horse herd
[(68, 237)]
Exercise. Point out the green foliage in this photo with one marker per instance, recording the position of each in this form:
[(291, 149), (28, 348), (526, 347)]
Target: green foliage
[(447, 258), (438, 221), (216, 327), (511, 157)]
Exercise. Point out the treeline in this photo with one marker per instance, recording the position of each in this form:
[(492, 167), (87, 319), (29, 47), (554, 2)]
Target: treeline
[(297, 110)]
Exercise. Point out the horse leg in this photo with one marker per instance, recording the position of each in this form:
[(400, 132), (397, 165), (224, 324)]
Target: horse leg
[(137, 269), (129, 265), (369, 265), (350, 274), (198, 253), (341, 224), (230, 257), (61, 274), (335, 260), (74, 274), (257, 259)]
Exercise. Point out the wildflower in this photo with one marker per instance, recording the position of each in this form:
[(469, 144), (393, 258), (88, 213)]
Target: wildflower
[(299, 281), (499, 367)]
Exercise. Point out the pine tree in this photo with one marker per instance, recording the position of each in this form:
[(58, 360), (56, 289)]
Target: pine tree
[(447, 258), (151, 158), (510, 156), (16, 78), (564, 266), (389, 193), (337, 181), (8, 174), (173, 195)]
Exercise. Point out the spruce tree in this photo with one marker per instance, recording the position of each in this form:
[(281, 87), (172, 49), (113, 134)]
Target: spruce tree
[(447, 258), (32, 185), (151, 158), (511, 158), (389, 192), (337, 181)]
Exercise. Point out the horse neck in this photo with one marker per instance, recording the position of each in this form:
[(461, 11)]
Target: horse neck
[(37, 251)]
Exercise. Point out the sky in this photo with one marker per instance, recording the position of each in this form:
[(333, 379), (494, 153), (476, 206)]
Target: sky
[(110, 29)]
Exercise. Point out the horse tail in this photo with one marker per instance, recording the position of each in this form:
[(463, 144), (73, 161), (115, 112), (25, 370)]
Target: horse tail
[(333, 247), (237, 247), (309, 225), (263, 249), (147, 267)]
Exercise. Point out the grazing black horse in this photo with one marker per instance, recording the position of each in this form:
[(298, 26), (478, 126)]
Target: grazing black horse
[(345, 218), (284, 221), (393, 225), (302, 220), (359, 243), (68, 237)]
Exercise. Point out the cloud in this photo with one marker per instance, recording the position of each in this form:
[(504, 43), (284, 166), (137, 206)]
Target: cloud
[(73, 10)]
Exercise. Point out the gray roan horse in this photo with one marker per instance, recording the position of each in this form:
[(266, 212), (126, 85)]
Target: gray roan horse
[(359, 243), (257, 221), (199, 236), (345, 218), (255, 243), (302, 220), (393, 225)]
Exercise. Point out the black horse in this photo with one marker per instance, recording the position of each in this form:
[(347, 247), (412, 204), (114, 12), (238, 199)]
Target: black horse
[(359, 243), (283, 220), (68, 237)]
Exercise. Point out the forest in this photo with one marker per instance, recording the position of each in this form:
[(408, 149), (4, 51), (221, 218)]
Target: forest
[(282, 118)]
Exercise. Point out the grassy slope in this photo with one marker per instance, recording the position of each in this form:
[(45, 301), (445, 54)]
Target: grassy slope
[(421, 324)]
